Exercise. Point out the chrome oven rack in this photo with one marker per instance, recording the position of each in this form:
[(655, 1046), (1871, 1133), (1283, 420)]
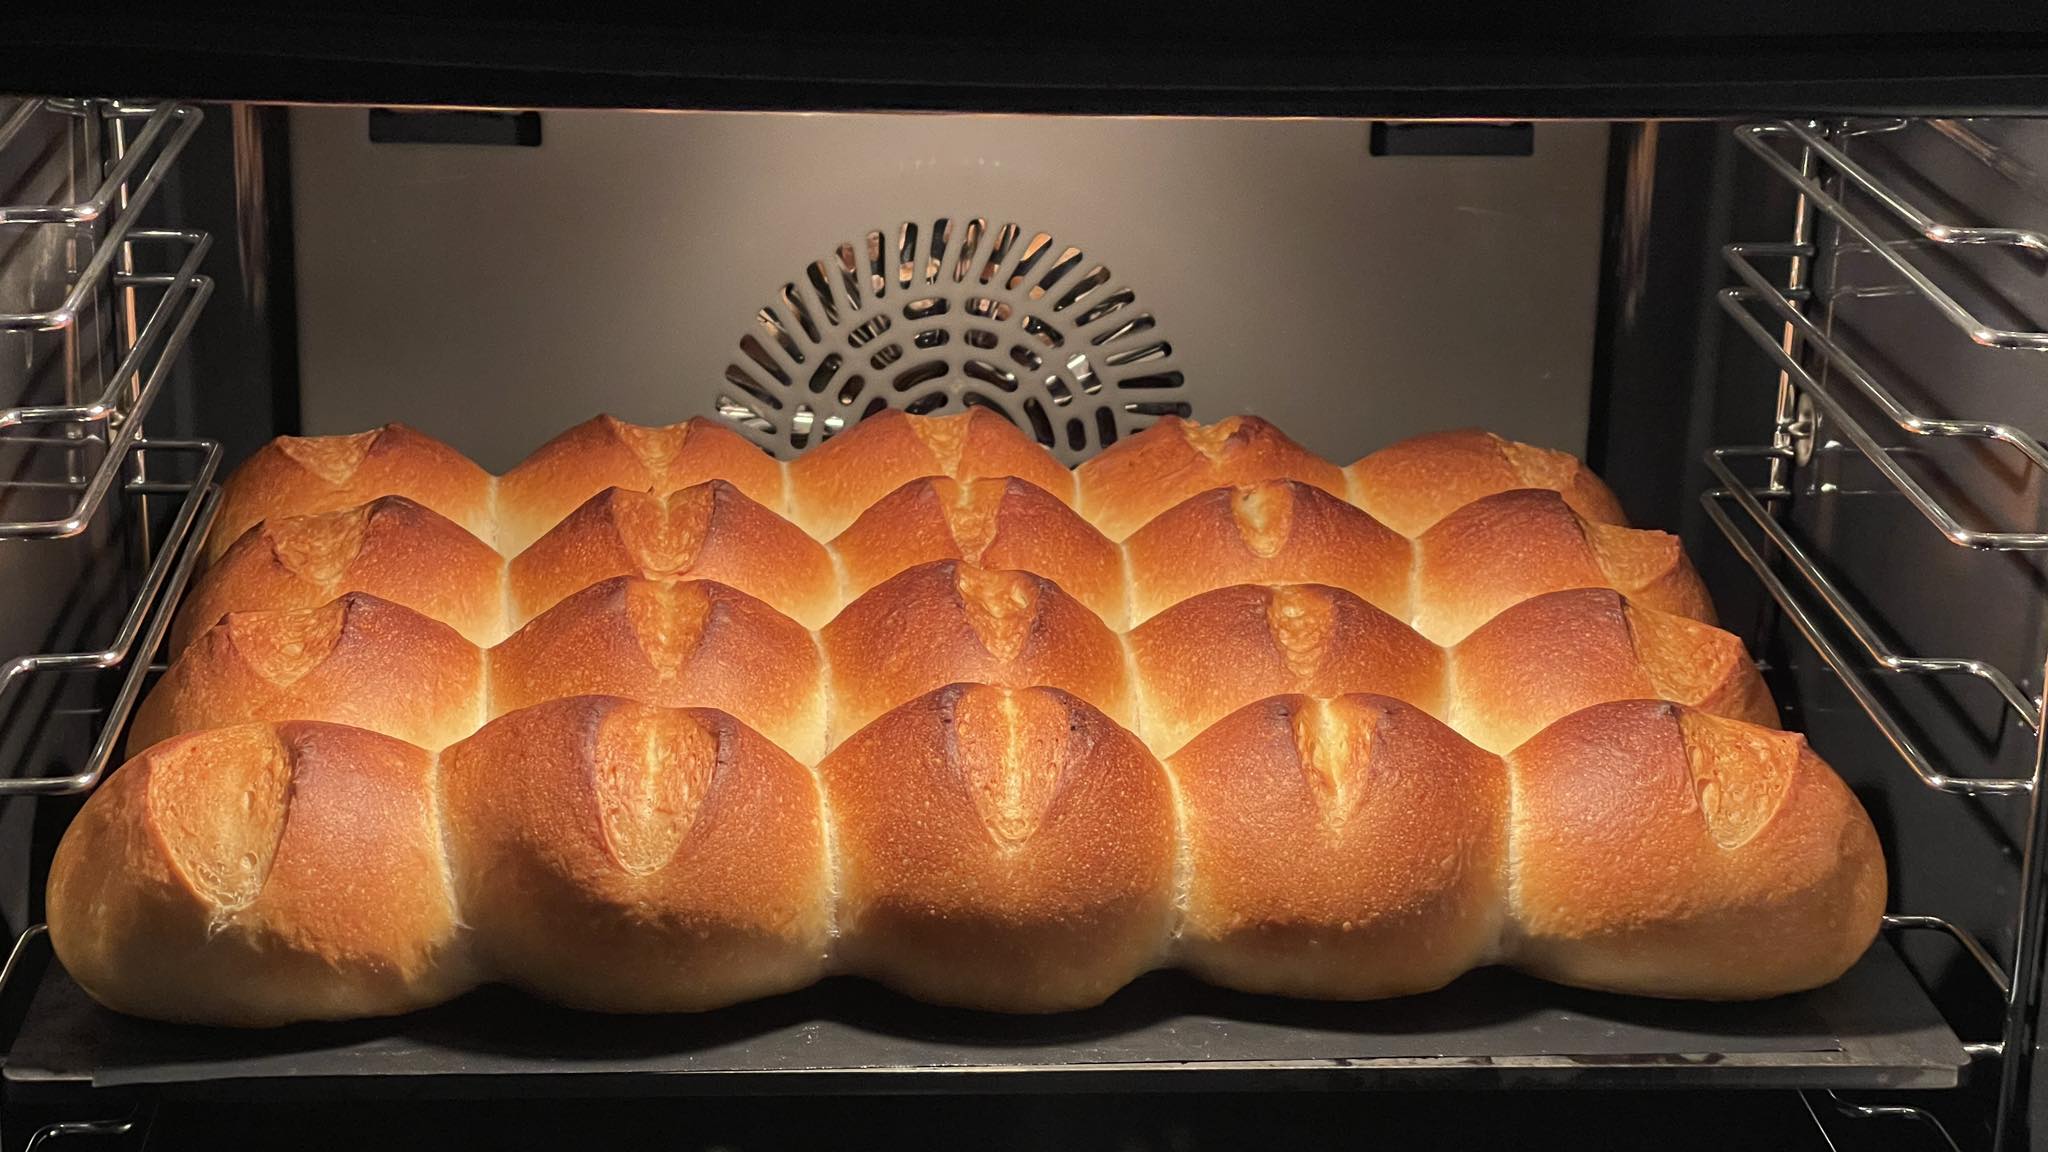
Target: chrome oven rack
[(78, 462), (1749, 512)]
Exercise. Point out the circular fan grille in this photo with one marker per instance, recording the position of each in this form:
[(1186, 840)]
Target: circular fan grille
[(947, 316)]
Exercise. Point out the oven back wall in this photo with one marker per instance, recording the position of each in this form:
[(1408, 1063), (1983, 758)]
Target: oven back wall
[(492, 295)]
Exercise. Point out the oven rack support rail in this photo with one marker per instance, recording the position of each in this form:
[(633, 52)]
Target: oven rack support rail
[(107, 424), (1797, 344)]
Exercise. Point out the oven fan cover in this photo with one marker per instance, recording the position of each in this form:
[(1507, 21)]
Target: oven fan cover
[(947, 315)]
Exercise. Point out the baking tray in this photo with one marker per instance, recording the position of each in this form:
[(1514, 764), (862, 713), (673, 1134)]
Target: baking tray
[(1874, 1028)]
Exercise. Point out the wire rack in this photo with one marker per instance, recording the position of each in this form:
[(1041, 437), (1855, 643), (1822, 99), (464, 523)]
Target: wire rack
[(81, 461), (1749, 512)]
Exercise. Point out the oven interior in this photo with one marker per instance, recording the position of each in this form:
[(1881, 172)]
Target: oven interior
[(1811, 347)]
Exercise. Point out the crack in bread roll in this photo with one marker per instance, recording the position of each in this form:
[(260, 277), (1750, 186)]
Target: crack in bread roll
[(606, 452), (1411, 485), (1128, 483), (1269, 532), (355, 660), (1551, 655), (1503, 549), (998, 522), (1210, 655), (831, 485), (1005, 849), (695, 643), (390, 547), (711, 531), (1347, 848), (1659, 851), (301, 475), (258, 875), (630, 858), (951, 621)]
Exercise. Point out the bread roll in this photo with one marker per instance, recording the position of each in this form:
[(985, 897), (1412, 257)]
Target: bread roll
[(301, 475), (1660, 851), (1413, 484), (1346, 849), (1503, 549), (1272, 532), (695, 643), (1554, 654), (261, 874), (1127, 484), (390, 548), (832, 484), (1210, 655), (712, 531), (994, 523), (605, 452), (355, 660), (1002, 849), (950, 621), (628, 858)]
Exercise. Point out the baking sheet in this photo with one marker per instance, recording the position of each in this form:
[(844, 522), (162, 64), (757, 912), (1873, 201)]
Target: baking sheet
[(1875, 1027)]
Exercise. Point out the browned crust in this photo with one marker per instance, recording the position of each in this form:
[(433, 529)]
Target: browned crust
[(628, 858), (1210, 655), (1271, 532), (831, 485), (356, 660), (325, 901), (1553, 654), (1002, 849), (711, 531), (691, 644), (1127, 484), (950, 621), (1503, 549), (390, 548), (1663, 852), (300, 475), (995, 523), (1411, 485), (1346, 849), (606, 452)]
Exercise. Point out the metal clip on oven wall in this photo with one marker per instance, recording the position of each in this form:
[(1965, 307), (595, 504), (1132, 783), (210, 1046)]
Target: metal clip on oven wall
[(1757, 137)]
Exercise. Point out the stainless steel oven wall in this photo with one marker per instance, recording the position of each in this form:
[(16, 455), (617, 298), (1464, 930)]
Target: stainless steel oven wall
[(493, 295)]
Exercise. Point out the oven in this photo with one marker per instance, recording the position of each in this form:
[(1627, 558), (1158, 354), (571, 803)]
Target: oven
[(1783, 290)]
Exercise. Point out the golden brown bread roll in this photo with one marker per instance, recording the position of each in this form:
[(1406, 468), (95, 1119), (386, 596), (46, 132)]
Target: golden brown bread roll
[(693, 643), (1127, 484), (301, 475), (391, 548), (355, 660), (950, 621), (1411, 485), (831, 485), (995, 523), (605, 452), (1503, 549), (261, 874), (1210, 655), (1347, 849), (629, 858), (1554, 654), (1659, 851), (1007, 849), (712, 531), (1271, 532)]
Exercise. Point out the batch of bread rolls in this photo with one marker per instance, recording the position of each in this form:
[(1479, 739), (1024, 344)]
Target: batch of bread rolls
[(654, 722)]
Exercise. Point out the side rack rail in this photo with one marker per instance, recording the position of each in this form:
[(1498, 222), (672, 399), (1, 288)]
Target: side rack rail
[(1750, 514)]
